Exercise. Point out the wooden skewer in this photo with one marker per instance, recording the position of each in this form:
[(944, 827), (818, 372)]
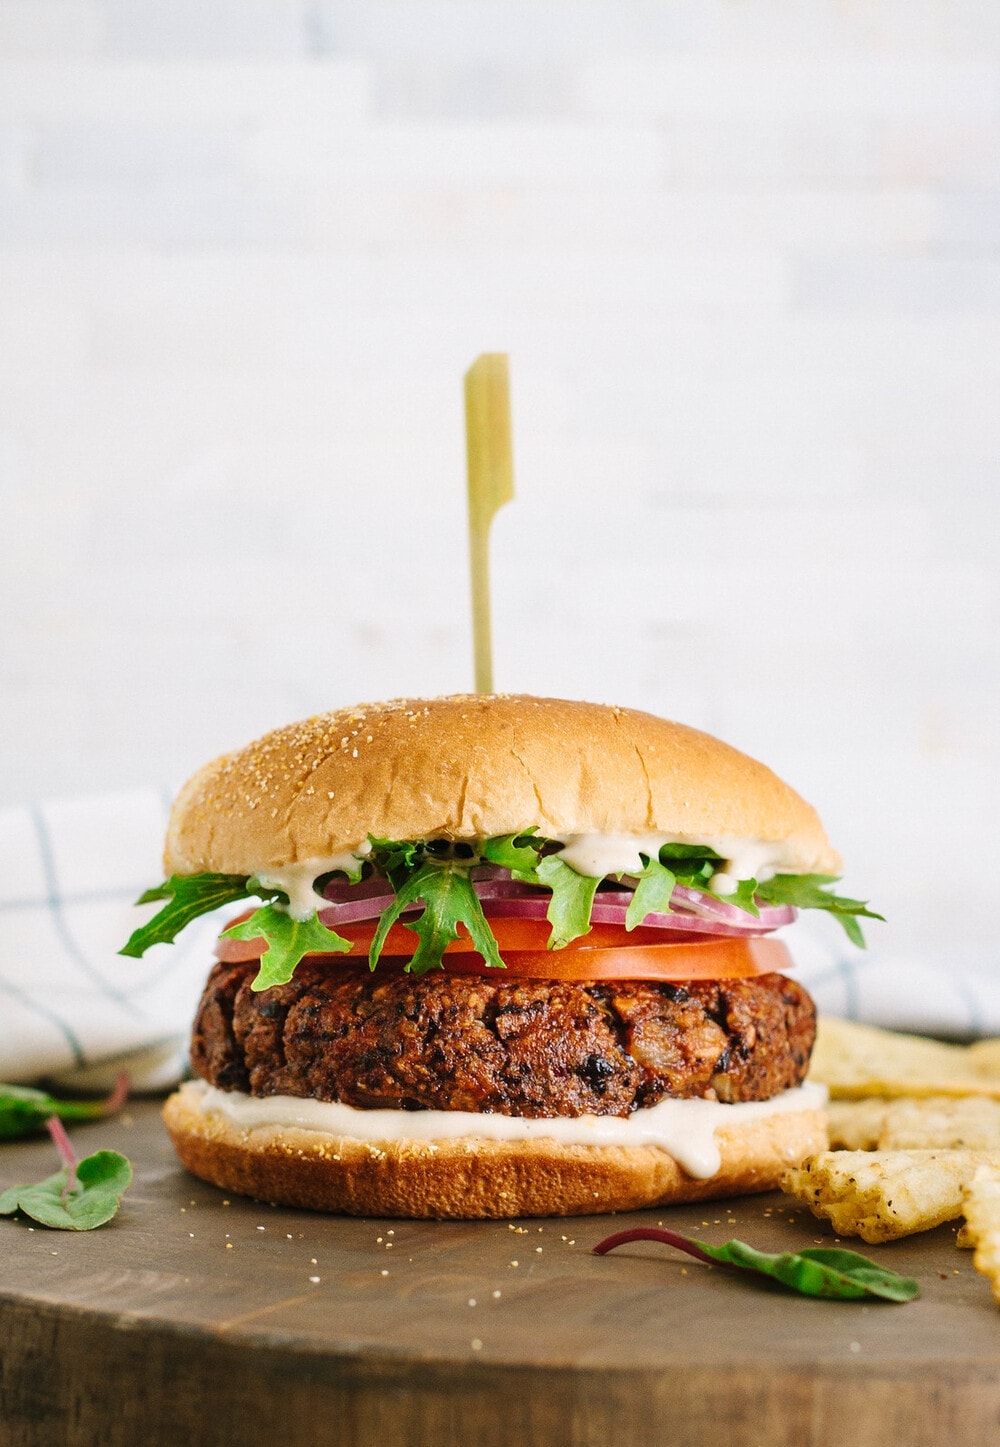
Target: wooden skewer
[(491, 484)]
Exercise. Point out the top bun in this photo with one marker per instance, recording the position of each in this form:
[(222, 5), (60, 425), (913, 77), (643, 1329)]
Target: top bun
[(471, 766)]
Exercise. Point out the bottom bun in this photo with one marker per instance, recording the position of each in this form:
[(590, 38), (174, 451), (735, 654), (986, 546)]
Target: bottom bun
[(472, 1179)]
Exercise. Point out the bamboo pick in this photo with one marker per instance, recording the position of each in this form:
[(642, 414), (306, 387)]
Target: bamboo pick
[(491, 484)]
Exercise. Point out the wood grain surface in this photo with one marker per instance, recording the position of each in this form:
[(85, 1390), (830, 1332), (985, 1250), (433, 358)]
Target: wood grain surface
[(197, 1319)]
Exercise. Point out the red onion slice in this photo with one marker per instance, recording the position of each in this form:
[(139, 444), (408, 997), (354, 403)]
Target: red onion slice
[(341, 891), (682, 922), (694, 912), (705, 904)]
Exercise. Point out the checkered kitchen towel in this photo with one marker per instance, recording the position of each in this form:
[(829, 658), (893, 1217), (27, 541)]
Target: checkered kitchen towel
[(74, 1011)]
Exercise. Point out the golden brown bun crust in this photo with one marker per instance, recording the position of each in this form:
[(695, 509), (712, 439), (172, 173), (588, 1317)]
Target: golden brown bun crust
[(474, 766), (476, 1179)]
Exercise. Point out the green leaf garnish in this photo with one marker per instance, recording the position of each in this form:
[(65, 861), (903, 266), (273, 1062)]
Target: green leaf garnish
[(694, 874), (449, 900), (101, 1180), (24, 1110), (652, 894), (572, 898), (288, 940), (692, 854), (188, 896), (742, 896), (395, 858), (811, 891), (821, 1271), (513, 851), (84, 1194), (354, 876)]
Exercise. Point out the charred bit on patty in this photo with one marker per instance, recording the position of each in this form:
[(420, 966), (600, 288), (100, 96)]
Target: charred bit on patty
[(514, 1047)]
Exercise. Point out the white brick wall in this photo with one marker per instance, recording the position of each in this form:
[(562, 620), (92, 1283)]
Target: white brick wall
[(746, 259)]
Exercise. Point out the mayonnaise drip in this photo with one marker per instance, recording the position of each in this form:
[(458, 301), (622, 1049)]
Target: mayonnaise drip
[(596, 855), (601, 854), (685, 1129), (296, 880)]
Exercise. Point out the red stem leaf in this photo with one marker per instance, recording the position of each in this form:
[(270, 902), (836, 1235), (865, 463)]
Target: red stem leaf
[(62, 1143), (650, 1233), (119, 1095)]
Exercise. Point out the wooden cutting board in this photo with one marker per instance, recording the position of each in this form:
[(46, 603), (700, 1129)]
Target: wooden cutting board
[(197, 1318)]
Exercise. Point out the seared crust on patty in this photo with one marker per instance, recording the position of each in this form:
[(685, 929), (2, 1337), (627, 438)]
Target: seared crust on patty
[(515, 1047)]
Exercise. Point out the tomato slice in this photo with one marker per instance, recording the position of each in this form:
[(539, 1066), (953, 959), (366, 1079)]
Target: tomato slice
[(606, 953)]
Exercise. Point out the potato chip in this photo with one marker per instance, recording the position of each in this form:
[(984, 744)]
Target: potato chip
[(982, 1222), (984, 1056), (935, 1122), (882, 1195), (856, 1125), (856, 1061)]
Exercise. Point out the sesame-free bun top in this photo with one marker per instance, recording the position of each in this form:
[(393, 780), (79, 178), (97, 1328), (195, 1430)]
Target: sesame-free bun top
[(471, 766)]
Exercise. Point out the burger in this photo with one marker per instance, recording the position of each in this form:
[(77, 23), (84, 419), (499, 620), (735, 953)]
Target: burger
[(496, 956)]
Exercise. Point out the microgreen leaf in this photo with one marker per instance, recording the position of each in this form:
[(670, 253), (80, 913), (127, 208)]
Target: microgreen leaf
[(396, 859), (354, 874), (101, 1180), (572, 898), (449, 900), (652, 894), (826, 1272), (693, 855), (82, 1195), (287, 940), (188, 896), (811, 891), (24, 1110), (693, 873), (742, 896), (513, 851)]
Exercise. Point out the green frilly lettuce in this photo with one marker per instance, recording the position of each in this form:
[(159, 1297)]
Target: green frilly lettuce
[(435, 891)]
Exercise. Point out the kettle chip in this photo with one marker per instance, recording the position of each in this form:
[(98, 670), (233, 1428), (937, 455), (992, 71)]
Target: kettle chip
[(883, 1195), (981, 1205)]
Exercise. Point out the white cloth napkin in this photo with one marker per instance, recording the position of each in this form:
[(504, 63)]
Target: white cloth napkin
[(73, 1011), (955, 997)]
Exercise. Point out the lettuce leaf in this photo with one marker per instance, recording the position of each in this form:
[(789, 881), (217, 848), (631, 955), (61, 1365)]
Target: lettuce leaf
[(572, 898), (449, 900), (742, 896), (188, 896), (652, 894), (513, 851), (288, 940), (422, 875), (692, 855), (811, 891), (396, 859)]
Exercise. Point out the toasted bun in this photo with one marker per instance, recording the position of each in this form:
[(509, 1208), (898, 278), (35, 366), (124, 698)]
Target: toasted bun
[(472, 1179), (474, 766)]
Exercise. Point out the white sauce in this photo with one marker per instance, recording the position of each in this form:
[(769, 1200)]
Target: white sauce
[(601, 854), (685, 1129), (296, 880), (596, 855)]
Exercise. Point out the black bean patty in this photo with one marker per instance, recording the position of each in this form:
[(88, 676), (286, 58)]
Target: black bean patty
[(516, 1047)]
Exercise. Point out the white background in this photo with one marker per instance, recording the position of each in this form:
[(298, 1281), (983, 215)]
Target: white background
[(744, 256)]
